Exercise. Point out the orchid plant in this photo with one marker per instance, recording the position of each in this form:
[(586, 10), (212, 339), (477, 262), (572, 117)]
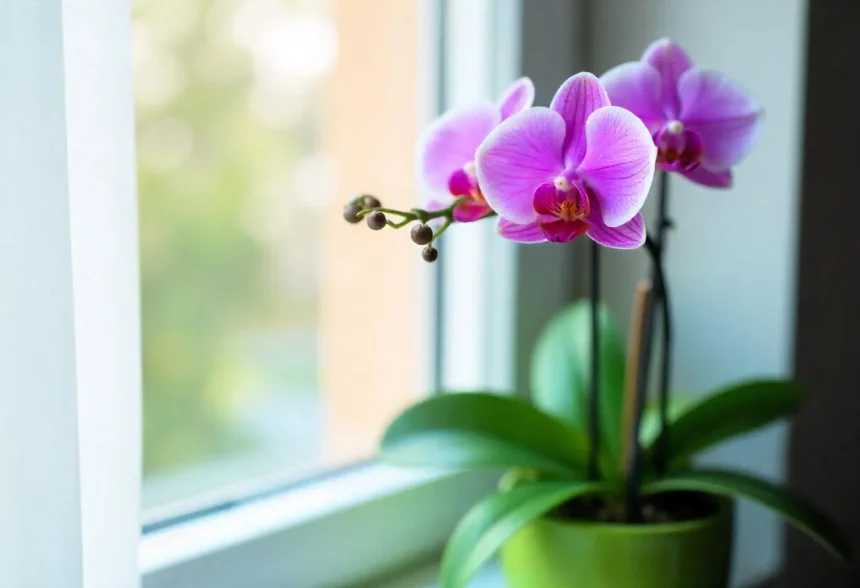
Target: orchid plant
[(584, 166)]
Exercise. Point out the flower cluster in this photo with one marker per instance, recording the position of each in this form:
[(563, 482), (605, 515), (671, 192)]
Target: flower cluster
[(585, 164), (702, 122)]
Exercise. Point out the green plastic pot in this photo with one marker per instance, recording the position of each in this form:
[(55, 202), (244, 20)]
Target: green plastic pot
[(552, 553)]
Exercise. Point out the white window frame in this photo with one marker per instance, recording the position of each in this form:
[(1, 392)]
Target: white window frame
[(70, 398)]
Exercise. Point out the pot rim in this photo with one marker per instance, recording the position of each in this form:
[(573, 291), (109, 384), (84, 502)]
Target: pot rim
[(725, 510)]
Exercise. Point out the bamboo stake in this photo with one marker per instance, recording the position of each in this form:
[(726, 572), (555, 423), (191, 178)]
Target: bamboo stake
[(638, 333)]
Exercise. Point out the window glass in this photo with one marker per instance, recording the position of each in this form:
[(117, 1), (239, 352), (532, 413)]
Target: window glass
[(278, 340)]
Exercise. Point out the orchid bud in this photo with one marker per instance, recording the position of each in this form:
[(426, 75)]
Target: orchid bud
[(376, 220), (430, 254), (350, 213), (371, 201), (422, 234)]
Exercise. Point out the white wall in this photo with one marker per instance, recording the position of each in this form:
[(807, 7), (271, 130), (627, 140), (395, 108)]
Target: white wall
[(731, 259), (40, 542), (69, 358)]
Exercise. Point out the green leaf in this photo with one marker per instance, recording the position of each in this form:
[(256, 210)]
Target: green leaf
[(793, 508), (561, 373), (650, 428), (491, 522), (730, 412), (483, 430)]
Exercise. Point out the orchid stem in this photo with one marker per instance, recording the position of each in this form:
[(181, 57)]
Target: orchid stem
[(416, 214), (662, 295), (594, 396), (655, 248), (399, 225), (443, 228), (407, 215), (661, 291)]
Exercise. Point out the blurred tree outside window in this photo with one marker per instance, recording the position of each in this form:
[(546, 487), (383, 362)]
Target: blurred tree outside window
[(261, 309)]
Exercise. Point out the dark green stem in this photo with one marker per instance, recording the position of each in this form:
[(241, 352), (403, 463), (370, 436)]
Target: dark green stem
[(660, 297), (443, 228), (594, 392), (417, 214), (662, 294), (399, 225)]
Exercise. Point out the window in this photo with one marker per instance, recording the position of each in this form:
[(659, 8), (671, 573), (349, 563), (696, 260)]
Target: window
[(70, 414), (370, 306), (70, 324), (277, 340)]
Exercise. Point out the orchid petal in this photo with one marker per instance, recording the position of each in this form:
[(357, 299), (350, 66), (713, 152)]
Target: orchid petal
[(519, 96), (460, 183), (562, 231), (518, 156), (670, 60), (450, 142), (526, 233), (630, 235), (713, 179), (722, 113), (575, 100), (471, 210), (547, 199), (636, 86), (619, 163)]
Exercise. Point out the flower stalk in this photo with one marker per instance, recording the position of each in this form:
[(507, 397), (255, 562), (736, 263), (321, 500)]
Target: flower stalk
[(370, 208), (659, 298), (662, 295), (593, 401)]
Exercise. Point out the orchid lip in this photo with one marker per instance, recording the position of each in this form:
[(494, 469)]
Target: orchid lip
[(563, 201), (679, 149)]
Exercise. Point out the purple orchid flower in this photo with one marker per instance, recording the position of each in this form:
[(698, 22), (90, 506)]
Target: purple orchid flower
[(447, 150), (578, 167), (703, 123)]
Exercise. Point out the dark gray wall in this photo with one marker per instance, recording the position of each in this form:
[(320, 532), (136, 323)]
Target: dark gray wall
[(824, 456)]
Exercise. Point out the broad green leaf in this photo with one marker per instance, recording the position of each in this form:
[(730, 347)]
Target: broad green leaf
[(650, 428), (561, 373), (514, 477), (730, 412), (517, 477), (793, 508), (483, 430), (490, 523)]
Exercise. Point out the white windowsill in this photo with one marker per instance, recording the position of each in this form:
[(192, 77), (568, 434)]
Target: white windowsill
[(489, 577), (246, 522), (408, 513)]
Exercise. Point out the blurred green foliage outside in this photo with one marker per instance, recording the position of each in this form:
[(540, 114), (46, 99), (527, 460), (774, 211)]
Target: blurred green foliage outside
[(228, 124)]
